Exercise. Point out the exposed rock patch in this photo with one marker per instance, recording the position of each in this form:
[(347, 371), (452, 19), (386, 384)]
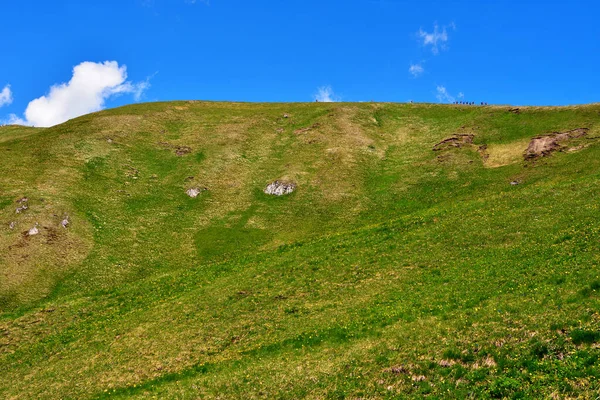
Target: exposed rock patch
[(514, 110), (65, 222), (195, 191), (457, 140), (33, 231), (23, 205), (12, 225), (279, 188), (543, 146), (182, 150)]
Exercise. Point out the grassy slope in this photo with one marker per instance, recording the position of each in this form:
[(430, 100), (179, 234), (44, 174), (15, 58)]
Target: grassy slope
[(392, 271)]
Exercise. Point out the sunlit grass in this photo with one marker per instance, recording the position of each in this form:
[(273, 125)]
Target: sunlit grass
[(392, 271)]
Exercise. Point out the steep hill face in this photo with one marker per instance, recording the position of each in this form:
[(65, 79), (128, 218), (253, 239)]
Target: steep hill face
[(399, 250)]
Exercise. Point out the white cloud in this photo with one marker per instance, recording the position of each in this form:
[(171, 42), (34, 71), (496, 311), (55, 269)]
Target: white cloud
[(416, 70), (6, 96), (460, 95), (436, 39), (443, 96), (325, 95), (136, 89), (90, 86), (13, 119)]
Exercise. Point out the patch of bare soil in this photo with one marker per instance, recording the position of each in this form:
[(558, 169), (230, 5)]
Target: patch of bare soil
[(514, 110), (482, 150), (543, 146), (179, 150), (51, 235), (457, 140), (182, 150), (304, 130)]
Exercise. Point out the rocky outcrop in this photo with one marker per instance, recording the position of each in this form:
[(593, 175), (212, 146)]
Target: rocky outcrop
[(280, 188), (457, 140), (542, 146)]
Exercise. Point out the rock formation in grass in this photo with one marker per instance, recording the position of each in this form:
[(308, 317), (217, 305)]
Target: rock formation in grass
[(280, 188)]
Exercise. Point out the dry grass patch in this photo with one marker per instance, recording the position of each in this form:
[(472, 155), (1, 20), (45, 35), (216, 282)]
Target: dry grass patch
[(499, 155)]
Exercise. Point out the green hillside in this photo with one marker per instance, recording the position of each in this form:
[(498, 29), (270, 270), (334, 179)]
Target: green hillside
[(427, 250)]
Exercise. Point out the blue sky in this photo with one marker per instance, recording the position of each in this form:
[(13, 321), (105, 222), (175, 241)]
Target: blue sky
[(502, 52)]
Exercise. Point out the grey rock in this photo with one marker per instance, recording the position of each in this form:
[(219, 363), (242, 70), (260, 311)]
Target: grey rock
[(278, 188), (195, 191), (65, 222), (23, 205), (12, 225), (33, 231)]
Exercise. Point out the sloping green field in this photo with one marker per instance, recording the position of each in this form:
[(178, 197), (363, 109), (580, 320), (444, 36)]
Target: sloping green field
[(393, 270)]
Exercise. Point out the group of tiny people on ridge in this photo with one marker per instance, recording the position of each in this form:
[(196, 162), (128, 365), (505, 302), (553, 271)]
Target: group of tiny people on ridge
[(469, 103)]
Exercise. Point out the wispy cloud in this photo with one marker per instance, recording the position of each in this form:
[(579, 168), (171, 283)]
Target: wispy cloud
[(13, 119), (325, 94), (6, 97), (444, 96), (437, 39), (137, 89), (87, 91), (416, 70)]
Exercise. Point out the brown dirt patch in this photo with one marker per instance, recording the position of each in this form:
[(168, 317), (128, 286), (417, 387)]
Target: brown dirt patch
[(543, 146), (51, 235), (304, 130), (182, 150), (482, 150), (179, 150), (457, 140)]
